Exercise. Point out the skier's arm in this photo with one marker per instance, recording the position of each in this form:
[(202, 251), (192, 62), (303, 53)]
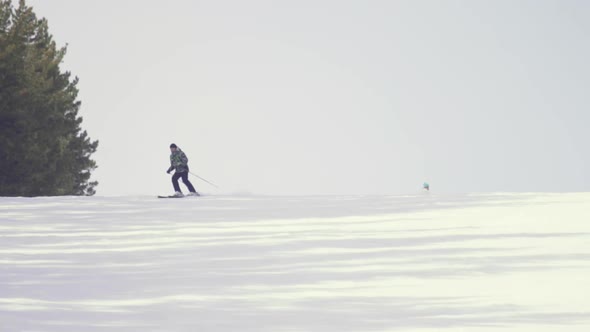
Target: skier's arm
[(171, 165)]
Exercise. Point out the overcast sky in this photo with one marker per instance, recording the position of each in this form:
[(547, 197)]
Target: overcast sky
[(333, 97)]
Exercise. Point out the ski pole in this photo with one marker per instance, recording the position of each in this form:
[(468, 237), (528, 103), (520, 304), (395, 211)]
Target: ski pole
[(204, 180)]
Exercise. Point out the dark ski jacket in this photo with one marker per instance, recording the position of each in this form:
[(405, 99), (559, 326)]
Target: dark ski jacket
[(178, 161)]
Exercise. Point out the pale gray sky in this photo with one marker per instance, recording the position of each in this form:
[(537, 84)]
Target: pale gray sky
[(333, 97)]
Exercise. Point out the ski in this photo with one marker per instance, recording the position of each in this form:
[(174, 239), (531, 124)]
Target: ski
[(174, 196)]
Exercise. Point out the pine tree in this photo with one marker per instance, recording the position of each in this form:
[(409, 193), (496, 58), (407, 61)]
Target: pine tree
[(43, 150)]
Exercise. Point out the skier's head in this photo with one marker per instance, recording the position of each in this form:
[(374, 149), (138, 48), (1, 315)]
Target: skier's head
[(173, 146)]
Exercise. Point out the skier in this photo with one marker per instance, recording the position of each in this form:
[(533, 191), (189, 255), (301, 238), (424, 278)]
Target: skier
[(179, 162), (426, 186)]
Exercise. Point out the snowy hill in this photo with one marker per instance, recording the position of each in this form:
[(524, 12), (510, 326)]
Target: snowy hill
[(507, 262)]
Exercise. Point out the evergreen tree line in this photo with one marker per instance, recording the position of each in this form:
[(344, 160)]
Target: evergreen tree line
[(43, 150)]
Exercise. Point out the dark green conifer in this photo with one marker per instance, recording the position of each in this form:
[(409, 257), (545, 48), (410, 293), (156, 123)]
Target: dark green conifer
[(43, 150)]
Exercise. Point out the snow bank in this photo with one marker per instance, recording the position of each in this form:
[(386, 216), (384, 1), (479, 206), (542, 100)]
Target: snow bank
[(515, 262)]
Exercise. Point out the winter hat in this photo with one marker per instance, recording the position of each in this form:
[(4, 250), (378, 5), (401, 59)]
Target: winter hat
[(173, 146)]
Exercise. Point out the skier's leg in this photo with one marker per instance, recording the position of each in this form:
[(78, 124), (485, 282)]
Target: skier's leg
[(175, 178), (187, 183)]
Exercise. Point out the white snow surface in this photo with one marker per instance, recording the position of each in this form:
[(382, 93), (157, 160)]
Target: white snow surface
[(473, 262)]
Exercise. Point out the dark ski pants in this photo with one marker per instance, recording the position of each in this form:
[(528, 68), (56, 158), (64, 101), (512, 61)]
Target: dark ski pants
[(187, 183)]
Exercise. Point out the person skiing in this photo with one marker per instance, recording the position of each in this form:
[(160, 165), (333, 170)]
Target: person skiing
[(179, 163)]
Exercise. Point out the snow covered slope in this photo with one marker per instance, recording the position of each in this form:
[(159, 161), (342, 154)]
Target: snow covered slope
[(506, 262)]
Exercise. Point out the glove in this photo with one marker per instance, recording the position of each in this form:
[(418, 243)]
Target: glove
[(169, 169)]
